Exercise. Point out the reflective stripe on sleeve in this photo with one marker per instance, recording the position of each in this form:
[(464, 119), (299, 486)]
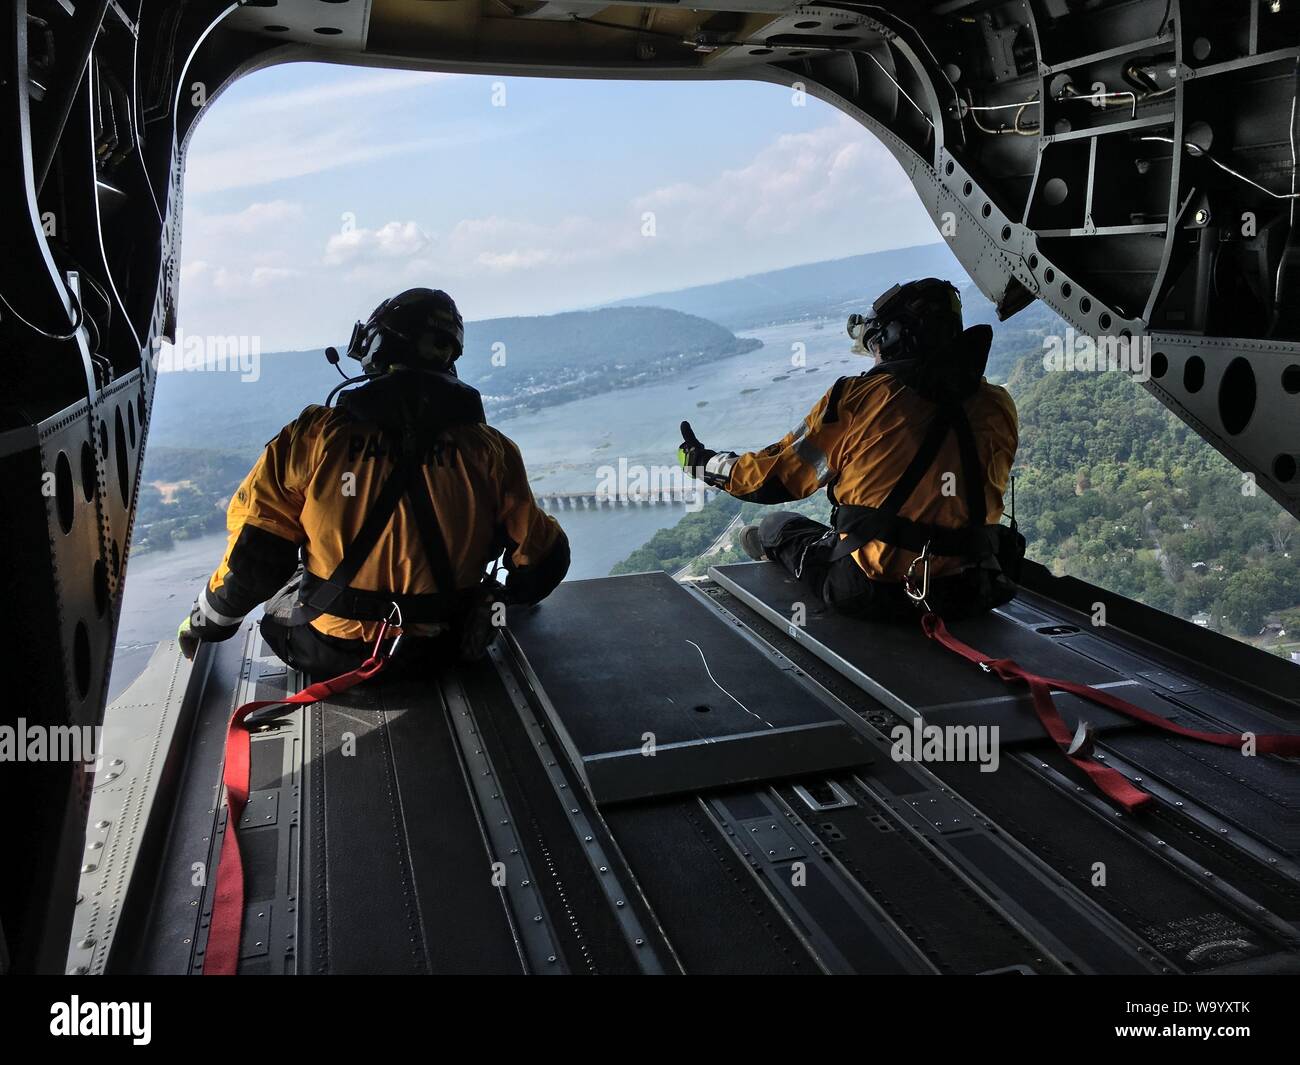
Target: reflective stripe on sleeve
[(212, 614)]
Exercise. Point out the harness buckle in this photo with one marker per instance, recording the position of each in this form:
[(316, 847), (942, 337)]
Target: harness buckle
[(918, 595)]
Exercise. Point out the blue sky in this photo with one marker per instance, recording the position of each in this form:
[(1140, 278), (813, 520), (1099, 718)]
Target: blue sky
[(314, 191)]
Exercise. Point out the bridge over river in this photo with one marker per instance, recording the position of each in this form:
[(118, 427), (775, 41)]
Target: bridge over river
[(598, 499)]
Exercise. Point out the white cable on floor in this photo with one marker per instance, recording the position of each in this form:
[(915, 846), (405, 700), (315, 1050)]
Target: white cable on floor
[(724, 690)]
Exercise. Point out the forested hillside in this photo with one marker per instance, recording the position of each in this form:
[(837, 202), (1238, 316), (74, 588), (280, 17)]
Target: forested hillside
[(1113, 488)]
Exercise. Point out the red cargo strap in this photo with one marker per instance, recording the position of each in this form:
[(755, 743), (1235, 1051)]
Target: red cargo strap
[(222, 955), (1110, 781)]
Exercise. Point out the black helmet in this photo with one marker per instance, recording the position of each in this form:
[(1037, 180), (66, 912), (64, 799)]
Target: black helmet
[(912, 318), (418, 327)]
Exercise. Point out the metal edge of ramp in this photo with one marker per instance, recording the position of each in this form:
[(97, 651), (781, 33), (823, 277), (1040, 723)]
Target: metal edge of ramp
[(145, 731)]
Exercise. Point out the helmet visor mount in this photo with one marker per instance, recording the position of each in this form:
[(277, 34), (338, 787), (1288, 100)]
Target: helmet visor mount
[(419, 328), (907, 316), (864, 330)]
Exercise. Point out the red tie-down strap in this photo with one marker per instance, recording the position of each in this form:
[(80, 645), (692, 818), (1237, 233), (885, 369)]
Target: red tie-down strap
[(222, 955), (1109, 781)]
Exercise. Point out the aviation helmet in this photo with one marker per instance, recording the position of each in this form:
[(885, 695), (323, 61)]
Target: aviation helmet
[(910, 319), (418, 327)]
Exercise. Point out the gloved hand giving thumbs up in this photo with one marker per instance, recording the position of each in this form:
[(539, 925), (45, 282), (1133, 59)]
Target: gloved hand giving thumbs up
[(691, 454), (711, 467)]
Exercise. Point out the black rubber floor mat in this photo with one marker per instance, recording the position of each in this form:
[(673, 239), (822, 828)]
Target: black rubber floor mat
[(1262, 795), (652, 693), (913, 675), (394, 877)]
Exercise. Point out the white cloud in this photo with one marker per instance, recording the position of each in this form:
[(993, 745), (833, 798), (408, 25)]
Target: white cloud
[(247, 142), (256, 218), (263, 276), (504, 245), (792, 193), (798, 181), (393, 240), (200, 275), (828, 192), (259, 161), (367, 84)]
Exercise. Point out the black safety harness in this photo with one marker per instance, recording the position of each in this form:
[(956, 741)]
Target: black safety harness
[(863, 524), (335, 595)]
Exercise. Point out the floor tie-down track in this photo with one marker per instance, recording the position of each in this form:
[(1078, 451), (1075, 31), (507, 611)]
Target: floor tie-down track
[(652, 777)]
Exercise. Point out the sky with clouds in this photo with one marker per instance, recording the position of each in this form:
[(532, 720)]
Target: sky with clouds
[(313, 191)]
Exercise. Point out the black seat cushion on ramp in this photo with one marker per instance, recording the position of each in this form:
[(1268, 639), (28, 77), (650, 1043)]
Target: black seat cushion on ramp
[(652, 693)]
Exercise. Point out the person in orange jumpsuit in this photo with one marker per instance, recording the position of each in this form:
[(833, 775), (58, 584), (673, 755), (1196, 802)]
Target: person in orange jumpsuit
[(389, 505), (915, 455)]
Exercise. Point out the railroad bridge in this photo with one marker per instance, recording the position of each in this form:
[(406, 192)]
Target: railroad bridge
[(599, 499)]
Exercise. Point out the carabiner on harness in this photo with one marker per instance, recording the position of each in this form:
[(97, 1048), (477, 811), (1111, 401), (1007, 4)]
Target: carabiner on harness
[(393, 621), (919, 595)]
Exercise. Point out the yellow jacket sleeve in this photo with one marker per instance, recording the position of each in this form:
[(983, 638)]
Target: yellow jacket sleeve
[(798, 464), (265, 529), (537, 551)]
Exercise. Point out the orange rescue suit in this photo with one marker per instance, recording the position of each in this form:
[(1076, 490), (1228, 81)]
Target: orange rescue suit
[(858, 440), (315, 482)]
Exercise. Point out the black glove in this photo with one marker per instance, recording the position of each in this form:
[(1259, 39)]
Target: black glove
[(691, 454), (711, 467)]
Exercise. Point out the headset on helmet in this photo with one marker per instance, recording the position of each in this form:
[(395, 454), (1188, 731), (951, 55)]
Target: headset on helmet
[(418, 327), (910, 319)]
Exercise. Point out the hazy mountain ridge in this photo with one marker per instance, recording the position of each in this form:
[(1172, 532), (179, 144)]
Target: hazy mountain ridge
[(807, 290), (521, 364), (547, 360), (554, 358)]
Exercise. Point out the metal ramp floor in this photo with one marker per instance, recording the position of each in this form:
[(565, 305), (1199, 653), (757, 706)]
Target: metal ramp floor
[(651, 777)]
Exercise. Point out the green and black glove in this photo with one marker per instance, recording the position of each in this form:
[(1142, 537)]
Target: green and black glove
[(711, 467), (187, 639), (691, 454), (204, 625)]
